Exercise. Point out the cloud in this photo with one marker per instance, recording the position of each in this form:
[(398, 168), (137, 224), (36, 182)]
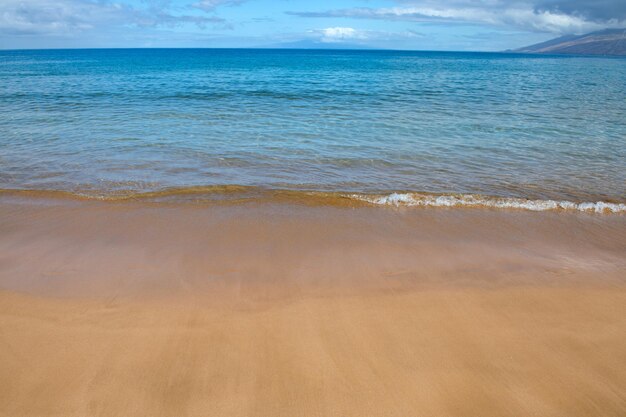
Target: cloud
[(595, 10), (339, 34), (358, 36), (169, 20), (64, 17), (49, 16), (211, 5), (558, 16)]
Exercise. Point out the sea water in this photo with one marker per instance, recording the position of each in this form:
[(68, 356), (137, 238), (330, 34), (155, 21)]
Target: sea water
[(387, 127)]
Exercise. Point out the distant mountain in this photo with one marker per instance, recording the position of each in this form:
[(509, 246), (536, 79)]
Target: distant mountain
[(604, 42)]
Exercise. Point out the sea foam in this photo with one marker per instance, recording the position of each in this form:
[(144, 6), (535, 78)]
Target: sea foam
[(469, 200)]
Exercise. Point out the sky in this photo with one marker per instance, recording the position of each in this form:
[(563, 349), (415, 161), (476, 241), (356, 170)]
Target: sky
[(457, 25)]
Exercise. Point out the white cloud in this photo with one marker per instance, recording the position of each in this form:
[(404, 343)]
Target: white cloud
[(65, 17), (518, 14), (340, 34), (521, 17)]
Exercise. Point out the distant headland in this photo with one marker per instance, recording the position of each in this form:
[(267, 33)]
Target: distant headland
[(610, 42)]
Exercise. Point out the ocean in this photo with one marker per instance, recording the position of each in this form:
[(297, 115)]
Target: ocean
[(378, 127)]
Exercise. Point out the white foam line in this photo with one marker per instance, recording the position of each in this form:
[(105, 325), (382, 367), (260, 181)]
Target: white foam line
[(468, 200)]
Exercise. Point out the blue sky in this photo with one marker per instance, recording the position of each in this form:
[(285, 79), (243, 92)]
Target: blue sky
[(479, 25)]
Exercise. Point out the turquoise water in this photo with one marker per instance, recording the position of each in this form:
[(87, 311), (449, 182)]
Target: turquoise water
[(104, 122)]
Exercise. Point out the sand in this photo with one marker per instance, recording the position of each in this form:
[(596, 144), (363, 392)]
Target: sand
[(137, 309)]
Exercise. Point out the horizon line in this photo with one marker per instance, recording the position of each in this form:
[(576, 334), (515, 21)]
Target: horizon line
[(365, 49)]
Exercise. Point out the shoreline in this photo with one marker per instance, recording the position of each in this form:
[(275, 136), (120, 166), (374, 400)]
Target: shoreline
[(231, 194), (283, 309), (298, 242)]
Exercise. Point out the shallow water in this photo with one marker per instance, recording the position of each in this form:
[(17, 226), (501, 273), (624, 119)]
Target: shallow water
[(120, 122)]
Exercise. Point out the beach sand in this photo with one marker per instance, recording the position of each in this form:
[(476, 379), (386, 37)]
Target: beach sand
[(275, 309)]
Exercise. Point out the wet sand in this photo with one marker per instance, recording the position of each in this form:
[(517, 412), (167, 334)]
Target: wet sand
[(139, 309)]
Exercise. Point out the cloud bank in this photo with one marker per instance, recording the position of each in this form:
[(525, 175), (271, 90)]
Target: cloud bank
[(66, 17), (555, 16), (442, 24)]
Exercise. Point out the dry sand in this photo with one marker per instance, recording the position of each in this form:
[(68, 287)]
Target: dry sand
[(131, 309)]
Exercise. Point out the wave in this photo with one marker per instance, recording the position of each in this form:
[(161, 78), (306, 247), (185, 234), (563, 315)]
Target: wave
[(470, 200), (234, 194)]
